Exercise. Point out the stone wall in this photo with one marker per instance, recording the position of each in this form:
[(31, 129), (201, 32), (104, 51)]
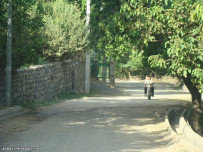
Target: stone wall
[(43, 82)]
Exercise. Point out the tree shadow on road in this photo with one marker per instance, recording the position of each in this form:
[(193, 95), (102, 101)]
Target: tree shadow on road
[(108, 121), (125, 129)]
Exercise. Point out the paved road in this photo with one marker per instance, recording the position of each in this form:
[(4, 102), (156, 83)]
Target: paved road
[(124, 122)]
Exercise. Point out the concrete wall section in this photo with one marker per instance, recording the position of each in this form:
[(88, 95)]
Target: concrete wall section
[(190, 136)]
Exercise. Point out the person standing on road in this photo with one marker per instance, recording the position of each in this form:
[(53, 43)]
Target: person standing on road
[(148, 80)]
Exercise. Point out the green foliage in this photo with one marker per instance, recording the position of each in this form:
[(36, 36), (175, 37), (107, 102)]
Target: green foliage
[(135, 61), (100, 11), (167, 42), (27, 36), (140, 35), (184, 44), (123, 29), (197, 16), (3, 26), (65, 30), (81, 4), (42, 30), (134, 65)]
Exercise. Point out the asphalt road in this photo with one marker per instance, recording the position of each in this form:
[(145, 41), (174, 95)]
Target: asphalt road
[(105, 122)]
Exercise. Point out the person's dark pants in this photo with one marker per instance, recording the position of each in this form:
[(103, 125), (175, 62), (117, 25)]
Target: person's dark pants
[(145, 90), (152, 90)]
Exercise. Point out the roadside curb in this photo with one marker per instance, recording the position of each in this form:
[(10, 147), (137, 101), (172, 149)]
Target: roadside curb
[(11, 112), (189, 135), (168, 117), (186, 132)]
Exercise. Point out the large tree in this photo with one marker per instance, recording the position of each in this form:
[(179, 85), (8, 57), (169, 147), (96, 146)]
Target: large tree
[(183, 55), (166, 36)]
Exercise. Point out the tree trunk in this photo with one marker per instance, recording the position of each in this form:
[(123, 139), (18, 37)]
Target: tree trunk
[(197, 114), (129, 75)]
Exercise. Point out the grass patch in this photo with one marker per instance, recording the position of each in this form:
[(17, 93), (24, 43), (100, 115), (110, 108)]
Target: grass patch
[(59, 99)]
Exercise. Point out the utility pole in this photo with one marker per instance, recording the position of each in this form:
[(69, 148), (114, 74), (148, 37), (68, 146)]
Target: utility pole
[(9, 55), (87, 65)]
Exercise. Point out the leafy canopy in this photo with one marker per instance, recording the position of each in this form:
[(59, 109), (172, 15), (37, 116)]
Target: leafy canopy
[(27, 35), (42, 30), (167, 33), (65, 30)]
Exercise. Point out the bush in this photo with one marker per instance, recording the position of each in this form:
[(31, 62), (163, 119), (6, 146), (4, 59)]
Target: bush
[(65, 31)]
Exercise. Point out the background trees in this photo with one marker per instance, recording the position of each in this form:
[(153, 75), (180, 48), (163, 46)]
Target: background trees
[(158, 36), (43, 30), (27, 37), (147, 34)]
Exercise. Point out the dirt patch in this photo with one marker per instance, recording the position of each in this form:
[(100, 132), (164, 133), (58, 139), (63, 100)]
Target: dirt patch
[(20, 124), (2, 107)]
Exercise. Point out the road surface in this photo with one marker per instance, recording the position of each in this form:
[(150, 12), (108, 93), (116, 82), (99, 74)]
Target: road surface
[(109, 121)]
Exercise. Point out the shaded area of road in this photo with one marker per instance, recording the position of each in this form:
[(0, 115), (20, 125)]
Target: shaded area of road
[(125, 122)]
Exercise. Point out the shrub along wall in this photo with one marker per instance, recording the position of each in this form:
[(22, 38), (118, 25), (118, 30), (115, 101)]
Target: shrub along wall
[(43, 82)]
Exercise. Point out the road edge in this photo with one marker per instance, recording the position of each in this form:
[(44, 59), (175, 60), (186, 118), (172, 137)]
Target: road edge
[(12, 112), (189, 135)]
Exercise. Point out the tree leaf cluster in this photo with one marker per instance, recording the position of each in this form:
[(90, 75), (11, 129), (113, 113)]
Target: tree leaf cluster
[(167, 33), (25, 35), (43, 30), (65, 30)]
